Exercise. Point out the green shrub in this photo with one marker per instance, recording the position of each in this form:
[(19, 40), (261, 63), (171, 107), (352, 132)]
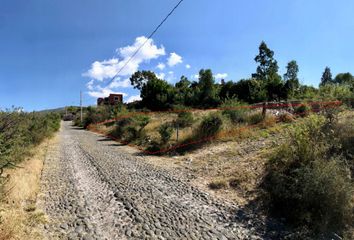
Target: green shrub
[(130, 128), (165, 132), (255, 118), (302, 110), (307, 183), (184, 119), (235, 111), (210, 126)]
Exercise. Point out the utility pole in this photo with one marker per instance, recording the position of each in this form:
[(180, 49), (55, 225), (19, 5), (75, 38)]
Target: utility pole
[(81, 106)]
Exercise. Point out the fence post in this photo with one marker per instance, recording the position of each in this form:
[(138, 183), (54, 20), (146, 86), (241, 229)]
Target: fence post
[(264, 110)]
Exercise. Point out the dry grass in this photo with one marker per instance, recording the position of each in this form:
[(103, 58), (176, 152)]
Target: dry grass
[(19, 217)]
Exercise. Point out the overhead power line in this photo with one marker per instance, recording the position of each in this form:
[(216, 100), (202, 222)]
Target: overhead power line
[(149, 37)]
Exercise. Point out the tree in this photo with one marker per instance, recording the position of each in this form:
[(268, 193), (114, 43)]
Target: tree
[(267, 73), (157, 94), (249, 90), (183, 91), (291, 80), (268, 66), (206, 84), (326, 77), (344, 78), (226, 90), (140, 78)]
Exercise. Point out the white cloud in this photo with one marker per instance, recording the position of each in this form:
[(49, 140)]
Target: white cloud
[(133, 98), (161, 66), (101, 70), (195, 76), (174, 59), (89, 85), (161, 75), (220, 76), (188, 66), (148, 52), (117, 82)]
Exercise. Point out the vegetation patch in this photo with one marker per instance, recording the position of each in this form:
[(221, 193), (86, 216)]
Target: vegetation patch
[(217, 185), (307, 177)]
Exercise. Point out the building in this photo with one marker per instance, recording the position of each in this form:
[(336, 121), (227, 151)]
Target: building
[(112, 99)]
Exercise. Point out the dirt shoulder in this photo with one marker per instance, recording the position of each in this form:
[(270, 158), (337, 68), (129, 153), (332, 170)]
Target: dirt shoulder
[(18, 211)]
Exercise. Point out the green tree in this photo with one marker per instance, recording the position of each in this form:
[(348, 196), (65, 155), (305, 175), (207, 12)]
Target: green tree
[(267, 73), (291, 80), (226, 90), (157, 94), (268, 66), (249, 90), (344, 78), (140, 78), (206, 84), (183, 91), (326, 77)]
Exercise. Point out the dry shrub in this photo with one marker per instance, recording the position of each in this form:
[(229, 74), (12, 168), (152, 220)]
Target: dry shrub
[(308, 183), (217, 185), (268, 121), (286, 118), (254, 118)]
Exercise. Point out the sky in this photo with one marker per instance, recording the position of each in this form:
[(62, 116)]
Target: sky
[(52, 50)]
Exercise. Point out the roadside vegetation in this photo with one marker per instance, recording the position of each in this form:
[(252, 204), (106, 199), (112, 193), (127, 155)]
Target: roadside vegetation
[(305, 172), (21, 159), (309, 177)]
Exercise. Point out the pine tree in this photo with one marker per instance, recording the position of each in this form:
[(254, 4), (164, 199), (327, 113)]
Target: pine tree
[(326, 77)]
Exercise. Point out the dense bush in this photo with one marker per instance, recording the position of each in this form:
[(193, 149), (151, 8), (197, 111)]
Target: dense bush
[(165, 132), (130, 128), (20, 131), (210, 126), (308, 182), (98, 114), (235, 110)]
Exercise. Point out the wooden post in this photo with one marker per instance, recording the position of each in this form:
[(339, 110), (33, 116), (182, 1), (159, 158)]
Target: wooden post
[(264, 110)]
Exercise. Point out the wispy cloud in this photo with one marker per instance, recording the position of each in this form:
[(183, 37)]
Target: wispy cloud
[(220, 76), (161, 66)]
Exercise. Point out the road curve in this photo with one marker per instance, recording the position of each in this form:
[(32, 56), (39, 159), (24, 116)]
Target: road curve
[(92, 189)]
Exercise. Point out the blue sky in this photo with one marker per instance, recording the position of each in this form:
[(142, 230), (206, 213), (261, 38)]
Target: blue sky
[(50, 50)]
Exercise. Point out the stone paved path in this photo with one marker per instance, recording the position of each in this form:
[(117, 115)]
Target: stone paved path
[(91, 189)]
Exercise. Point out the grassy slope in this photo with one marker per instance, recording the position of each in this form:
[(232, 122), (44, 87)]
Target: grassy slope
[(19, 215)]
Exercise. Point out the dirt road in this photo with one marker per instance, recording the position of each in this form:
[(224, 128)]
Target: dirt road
[(92, 188)]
